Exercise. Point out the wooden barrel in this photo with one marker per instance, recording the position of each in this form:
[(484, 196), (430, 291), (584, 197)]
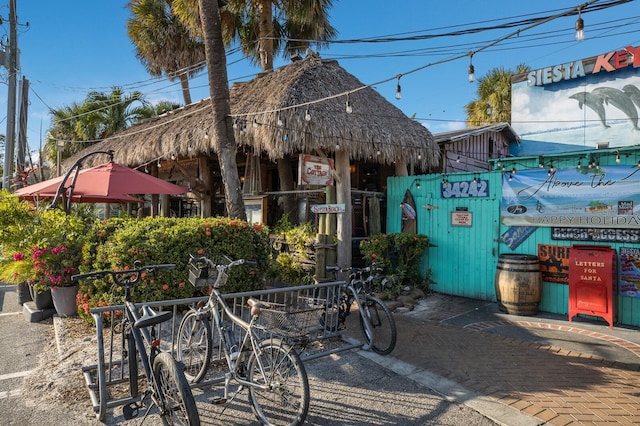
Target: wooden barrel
[(518, 283)]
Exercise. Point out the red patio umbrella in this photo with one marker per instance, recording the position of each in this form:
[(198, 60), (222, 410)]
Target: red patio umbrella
[(109, 181)]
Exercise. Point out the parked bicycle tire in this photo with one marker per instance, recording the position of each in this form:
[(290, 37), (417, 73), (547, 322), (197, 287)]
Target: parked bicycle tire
[(194, 346), (286, 399), (383, 324), (176, 403)]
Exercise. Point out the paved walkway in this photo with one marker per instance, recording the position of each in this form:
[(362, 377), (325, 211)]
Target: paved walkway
[(559, 373)]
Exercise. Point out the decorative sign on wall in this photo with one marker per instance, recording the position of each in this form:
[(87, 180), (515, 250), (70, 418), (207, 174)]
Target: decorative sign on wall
[(596, 197), (516, 235), (465, 189), (629, 271), (609, 235), (554, 263), (314, 170), (586, 101), (461, 218)]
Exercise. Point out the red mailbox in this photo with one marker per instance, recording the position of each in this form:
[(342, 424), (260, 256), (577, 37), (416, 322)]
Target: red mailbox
[(592, 286)]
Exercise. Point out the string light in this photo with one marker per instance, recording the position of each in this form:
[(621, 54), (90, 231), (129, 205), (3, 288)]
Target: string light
[(307, 116), (348, 107), (398, 88), (472, 70), (579, 26), (617, 156)]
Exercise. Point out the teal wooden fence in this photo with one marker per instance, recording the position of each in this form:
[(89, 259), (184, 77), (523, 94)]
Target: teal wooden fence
[(463, 259)]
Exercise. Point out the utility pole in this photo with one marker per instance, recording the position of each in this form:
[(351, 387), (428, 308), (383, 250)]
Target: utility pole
[(10, 138)]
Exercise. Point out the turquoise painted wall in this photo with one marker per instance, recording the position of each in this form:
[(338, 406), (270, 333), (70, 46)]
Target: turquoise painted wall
[(463, 261)]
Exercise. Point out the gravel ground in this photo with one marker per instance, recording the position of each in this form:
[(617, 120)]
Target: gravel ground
[(346, 389)]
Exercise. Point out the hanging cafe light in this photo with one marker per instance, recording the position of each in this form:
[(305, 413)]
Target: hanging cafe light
[(579, 26)]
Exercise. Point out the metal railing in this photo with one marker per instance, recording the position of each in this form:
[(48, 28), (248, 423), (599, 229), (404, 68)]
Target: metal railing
[(108, 380)]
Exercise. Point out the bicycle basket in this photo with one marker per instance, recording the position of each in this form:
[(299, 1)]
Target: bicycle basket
[(290, 320), (202, 275)]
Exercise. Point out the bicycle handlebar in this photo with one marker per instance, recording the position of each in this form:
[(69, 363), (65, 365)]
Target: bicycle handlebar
[(232, 263), (124, 276), (355, 270)]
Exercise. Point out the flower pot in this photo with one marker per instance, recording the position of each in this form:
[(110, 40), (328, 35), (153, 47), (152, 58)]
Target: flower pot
[(43, 300), (64, 300), (24, 295)]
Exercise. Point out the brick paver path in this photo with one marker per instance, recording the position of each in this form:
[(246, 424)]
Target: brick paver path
[(558, 386)]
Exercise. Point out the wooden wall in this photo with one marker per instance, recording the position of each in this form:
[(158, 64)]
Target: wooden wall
[(463, 263)]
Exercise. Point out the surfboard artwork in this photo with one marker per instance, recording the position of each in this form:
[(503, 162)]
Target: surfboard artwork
[(409, 215)]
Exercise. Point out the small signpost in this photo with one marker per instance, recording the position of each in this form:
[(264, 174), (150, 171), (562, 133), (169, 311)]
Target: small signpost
[(328, 208)]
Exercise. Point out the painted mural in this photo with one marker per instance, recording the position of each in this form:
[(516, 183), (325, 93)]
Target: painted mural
[(593, 102), (596, 197)]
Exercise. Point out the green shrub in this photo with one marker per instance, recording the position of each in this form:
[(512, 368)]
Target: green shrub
[(399, 255), (292, 244), (115, 244)]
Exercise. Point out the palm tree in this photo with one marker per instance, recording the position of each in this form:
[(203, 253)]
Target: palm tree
[(224, 138), (493, 104), (163, 43), (100, 115), (259, 32)]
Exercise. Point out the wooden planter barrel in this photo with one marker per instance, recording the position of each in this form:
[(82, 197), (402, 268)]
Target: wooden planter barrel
[(518, 283)]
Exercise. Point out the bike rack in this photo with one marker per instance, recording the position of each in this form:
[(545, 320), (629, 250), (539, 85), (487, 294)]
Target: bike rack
[(108, 380)]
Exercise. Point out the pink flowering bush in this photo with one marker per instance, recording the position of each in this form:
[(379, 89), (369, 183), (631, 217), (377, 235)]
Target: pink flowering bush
[(38, 246)]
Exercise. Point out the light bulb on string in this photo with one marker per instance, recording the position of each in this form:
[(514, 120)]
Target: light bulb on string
[(618, 157), (348, 107), (338, 146), (307, 116), (159, 165), (398, 88), (279, 122), (472, 70), (579, 27)]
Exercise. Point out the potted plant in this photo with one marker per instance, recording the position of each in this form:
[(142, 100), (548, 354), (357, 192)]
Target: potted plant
[(40, 247)]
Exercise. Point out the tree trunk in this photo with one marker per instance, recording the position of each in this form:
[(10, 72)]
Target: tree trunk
[(184, 84), (343, 195), (265, 43), (287, 201), (219, 90)]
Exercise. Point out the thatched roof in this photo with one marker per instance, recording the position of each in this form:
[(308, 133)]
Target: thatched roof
[(269, 117)]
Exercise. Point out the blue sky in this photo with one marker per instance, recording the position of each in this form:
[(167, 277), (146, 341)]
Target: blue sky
[(72, 47)]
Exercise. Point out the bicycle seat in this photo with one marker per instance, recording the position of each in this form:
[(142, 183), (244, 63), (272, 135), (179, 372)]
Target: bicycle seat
[(150, 317), (332, 268), (257, 305)]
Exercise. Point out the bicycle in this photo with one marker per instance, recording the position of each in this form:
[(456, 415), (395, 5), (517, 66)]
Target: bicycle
[(213, 336), (376, 321), (167, 386)]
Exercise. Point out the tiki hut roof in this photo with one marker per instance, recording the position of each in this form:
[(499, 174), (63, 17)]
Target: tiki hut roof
[(300, 107)]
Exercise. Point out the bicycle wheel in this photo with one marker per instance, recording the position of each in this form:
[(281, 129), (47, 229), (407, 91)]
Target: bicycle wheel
[(384, 327), (285, 401), (193, 348), (175, 400)]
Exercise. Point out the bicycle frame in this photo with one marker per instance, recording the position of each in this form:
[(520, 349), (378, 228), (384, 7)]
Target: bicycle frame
[(250, 341), (144, 339)]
